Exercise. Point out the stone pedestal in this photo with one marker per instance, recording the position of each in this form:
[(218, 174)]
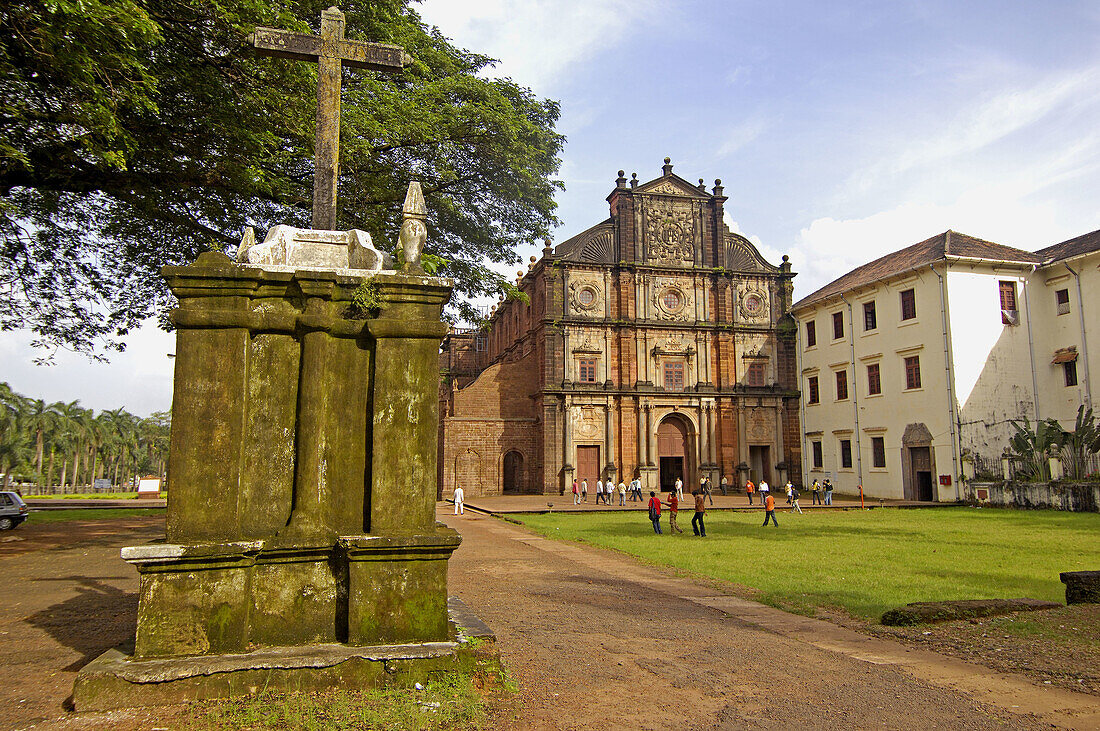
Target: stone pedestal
[(302, 464)]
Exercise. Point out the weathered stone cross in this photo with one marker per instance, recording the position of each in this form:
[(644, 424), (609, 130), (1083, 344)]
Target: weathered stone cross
[(331, 51)]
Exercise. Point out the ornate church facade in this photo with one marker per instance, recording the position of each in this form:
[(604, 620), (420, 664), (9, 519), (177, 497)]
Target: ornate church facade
[(656, 344)]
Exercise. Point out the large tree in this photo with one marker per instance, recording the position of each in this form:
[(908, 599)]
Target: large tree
[(138, 133)]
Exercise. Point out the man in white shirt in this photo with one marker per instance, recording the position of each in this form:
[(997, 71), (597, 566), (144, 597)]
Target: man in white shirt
[(599, 491), (679, 489), (763, 489), (460, 497)]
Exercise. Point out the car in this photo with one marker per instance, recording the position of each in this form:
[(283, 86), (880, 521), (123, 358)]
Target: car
[(13, 510)]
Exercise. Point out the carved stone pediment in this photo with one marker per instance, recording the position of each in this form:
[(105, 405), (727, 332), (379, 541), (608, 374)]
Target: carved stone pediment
[(290, 248), (670, 232)]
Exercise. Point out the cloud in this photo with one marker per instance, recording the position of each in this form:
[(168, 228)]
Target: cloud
[(986, 123), (537, 41), (740, 136)]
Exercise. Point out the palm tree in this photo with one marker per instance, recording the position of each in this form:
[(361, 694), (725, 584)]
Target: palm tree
[(38, 418)]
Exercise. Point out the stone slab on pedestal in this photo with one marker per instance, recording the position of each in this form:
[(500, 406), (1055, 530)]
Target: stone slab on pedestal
[(1082, 587)]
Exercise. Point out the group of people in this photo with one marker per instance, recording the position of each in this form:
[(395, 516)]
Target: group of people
[(698, 527), (606, 492)]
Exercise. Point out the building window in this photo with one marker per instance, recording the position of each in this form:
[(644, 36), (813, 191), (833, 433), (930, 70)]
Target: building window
[(870, 317), (756, 374), (1009, 314), (838, 325), (1062, 298), (878, 452), (671, 300), (811, 334), (846, 453), (587, 369), (815, 393), (481, 343), (818, 461), (841, 385), (587, 296), (908, 305), (1069, 370), (874, 379), (674, 376), (912, 372)]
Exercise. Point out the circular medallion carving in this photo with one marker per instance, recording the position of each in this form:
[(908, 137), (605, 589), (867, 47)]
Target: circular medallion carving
[(585, 296), (670, 301), (753, 304)]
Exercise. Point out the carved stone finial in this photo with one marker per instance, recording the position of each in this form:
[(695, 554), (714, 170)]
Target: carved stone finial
[(702, 185), (414, 233), (620, 182), (247, 242), (667, 167), (718, 186), (634, 180)]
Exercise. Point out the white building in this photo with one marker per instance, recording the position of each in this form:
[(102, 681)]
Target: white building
[(914, 365)]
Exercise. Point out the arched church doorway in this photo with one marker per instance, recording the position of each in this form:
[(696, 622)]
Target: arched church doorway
[(513, 473), (673, 452)]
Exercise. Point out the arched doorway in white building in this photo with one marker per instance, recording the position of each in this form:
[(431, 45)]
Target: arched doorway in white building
[(675, 451)]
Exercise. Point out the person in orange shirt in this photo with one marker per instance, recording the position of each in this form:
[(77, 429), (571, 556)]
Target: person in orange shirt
[(673, 508), (749, 489), (769, 510)]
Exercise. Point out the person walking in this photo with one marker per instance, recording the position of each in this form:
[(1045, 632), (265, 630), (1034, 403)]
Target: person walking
[(576, 494), (828, 492), (764, 489), (749, 489), (460, 499), (655, 511), (724, 484), (584, 491), (697, 520), (788, 488), (679, 489), (794, 498), (622, 494), (769, 510), (815, 499), (635, 489), (673, 509), (707, 490), (599, 491)]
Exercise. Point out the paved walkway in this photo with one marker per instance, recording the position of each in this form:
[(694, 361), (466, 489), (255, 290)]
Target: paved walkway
[(501, 504), (596, 639)]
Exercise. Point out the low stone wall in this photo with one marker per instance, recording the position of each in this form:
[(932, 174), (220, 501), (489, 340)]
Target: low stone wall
[(1079, 497)]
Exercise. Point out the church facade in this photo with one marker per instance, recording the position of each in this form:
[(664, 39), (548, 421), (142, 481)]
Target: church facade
[(656, 344)]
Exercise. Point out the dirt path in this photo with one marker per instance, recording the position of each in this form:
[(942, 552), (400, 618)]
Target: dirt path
[(597, 640)]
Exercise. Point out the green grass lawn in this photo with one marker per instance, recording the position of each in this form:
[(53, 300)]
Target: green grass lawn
[(59, 516), (863, 561)]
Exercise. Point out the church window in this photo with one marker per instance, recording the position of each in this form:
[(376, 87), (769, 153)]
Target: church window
[(756, 374), (811, 334), (481, 343), (874, 380), (1009, 314), (587, 370), (587, 297), (812, 387), (912, 372), (838, 325), (819, 460), (846, 454), (1062, 298), (671, 300), (674, 376), (908, 305), (841, 385)]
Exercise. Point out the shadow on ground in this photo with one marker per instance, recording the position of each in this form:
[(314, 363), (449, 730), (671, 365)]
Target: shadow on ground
[(98, 618)]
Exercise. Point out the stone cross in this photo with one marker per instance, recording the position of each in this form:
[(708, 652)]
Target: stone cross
[(331, 51)]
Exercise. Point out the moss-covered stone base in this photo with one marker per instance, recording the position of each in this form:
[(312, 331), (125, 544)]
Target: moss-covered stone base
[(115, 680)]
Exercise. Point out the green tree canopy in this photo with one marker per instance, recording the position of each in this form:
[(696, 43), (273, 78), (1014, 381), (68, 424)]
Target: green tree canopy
[(138, 133)]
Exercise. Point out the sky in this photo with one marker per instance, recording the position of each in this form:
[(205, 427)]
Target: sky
[(841, 131)]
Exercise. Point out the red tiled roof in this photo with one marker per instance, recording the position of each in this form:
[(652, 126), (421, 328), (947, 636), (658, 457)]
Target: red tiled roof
[(1083, 244), (949, 243)]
